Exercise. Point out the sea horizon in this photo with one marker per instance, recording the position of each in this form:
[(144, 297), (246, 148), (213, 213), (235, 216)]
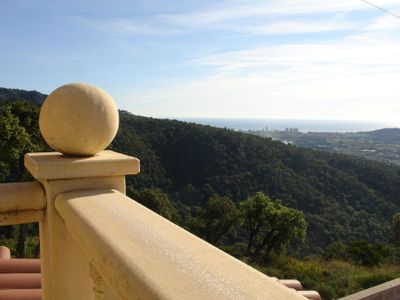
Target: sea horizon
[(303, 125)]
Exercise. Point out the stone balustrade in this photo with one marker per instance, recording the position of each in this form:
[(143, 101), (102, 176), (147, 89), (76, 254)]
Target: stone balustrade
[(21, 203), (95, 242)]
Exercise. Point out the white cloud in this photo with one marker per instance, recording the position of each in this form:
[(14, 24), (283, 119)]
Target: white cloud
[(354, 76), (272, 17), (352, 79), (350, 54), (126, 27), (384, 23), (234, 10), (290, 27)]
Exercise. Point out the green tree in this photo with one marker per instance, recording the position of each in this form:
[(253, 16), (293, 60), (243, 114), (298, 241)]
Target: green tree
[(14, 142), (189, 195), (364, 253), (271, 225), (336, 250), (19, 134), (218, 216), (396, 229), (155, 200)]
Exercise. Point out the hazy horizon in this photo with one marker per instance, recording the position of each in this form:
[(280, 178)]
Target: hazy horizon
[(304, 125)]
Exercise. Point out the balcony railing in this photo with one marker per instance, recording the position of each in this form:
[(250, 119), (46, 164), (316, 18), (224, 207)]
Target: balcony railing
[(96, 243)]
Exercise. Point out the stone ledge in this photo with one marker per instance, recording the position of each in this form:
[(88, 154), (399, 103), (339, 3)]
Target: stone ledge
[(54, 165), (389, 290)]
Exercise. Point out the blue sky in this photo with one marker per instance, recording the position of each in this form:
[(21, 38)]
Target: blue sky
[(301, 59)]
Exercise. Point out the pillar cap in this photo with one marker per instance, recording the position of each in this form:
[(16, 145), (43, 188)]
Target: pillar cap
[(55, 165)]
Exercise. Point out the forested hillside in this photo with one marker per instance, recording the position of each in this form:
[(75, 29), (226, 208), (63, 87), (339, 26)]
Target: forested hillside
[(15, 94), (344, 198), (208, 180)]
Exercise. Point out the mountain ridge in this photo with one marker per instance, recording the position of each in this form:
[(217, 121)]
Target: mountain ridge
[(34, 96)]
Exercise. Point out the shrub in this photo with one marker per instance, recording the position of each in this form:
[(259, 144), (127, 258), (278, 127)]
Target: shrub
[(371, 280)]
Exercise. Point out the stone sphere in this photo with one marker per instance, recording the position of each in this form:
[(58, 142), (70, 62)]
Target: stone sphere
[(78, 119)]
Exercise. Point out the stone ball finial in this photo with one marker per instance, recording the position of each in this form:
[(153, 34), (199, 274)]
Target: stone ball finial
[(78, 119)]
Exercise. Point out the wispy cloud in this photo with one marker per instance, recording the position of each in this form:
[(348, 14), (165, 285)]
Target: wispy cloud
[(386, 22), (297, 27), (235, 10), (272, 17), (348, 72), (126, 27), (354, 52), (348, 79)]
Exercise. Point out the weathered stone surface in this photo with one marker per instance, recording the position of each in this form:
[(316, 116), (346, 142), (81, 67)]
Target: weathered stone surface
[(22, 202), (21, 196)]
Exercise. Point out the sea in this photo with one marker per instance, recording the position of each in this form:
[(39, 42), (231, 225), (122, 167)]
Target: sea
[(282, 124)]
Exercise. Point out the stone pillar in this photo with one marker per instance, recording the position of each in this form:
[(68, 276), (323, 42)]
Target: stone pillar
[(79, 121)]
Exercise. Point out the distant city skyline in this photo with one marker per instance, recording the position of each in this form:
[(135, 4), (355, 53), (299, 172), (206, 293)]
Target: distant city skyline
[(291, 59), (303, 125)]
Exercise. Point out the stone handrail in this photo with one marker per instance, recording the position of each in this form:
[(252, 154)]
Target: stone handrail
[(388, 291), (141, 255), (21, 203)]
